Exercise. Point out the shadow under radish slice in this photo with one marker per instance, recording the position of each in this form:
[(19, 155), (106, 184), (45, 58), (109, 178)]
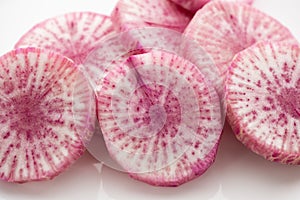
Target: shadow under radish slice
[(263, 100), (225, 28), (73, 35), (129, 14), (160, 119), (47, 114)]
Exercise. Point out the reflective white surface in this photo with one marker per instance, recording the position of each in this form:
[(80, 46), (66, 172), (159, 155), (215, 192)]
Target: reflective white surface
[(237, 174)]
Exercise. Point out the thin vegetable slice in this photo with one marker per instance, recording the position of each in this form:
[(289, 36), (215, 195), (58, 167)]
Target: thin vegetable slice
[(46, 118), (160, 120), (263, 100)]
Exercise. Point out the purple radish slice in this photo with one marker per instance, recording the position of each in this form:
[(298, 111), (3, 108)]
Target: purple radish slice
[(160, 119), (129, 14), (225, 28), (263, 106), (73, 35), (46, 114), (195, 5)]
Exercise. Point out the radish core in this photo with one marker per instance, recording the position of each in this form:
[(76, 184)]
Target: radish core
[(289, 102)]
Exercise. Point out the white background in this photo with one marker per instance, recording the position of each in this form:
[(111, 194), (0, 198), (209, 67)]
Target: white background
[(237, 173)]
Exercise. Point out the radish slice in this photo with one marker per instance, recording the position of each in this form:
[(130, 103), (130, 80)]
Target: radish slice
[(129, 14), (226, 28), (160, 120), (263, 100), (46, 114), (73, 35)]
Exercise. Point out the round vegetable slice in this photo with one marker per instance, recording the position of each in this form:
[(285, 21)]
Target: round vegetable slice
[(263, 106), (160, 119), (47, 109)]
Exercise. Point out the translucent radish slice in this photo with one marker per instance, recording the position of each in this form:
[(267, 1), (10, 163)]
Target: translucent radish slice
[(226, 28), (129, 14), (46, 118), (195, 5), (142, 40), (160, 120), (138, 41), (73, 35), (263, 100)]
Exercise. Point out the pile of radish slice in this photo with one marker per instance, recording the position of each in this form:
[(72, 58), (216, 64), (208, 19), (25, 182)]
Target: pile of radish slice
[(159, 79)]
